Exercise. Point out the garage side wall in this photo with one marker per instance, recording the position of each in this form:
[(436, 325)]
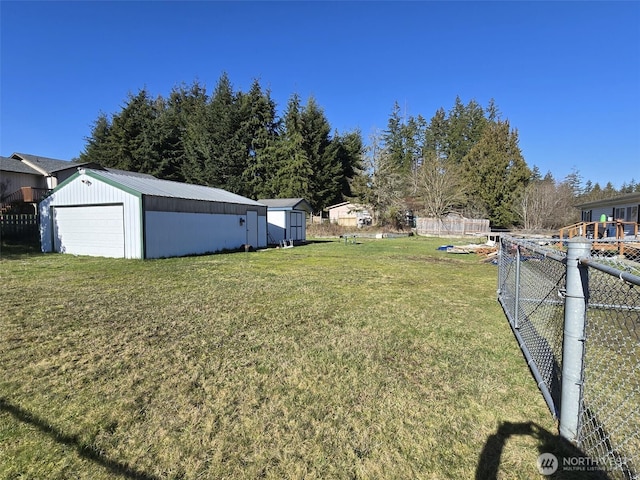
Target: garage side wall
[(171, 234), (86, 192)]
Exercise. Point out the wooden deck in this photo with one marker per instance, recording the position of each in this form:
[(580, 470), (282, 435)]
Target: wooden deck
[(606, 236)]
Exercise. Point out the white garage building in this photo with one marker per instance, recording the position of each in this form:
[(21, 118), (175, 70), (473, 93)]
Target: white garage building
[(287, 219), (107, 214)]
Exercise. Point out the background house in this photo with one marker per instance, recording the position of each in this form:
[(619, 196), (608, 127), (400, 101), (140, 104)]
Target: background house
[(286, 219), (117, 214), (624, 209), (349, 214), (26, 179)]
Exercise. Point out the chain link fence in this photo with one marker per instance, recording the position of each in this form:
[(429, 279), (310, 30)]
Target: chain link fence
[(533, 289)]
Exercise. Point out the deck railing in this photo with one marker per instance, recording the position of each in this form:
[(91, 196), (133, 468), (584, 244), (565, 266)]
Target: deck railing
[(25, 195), (596, 230)]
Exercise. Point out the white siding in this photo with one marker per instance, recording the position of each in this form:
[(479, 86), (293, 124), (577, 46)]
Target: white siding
[(166, 234), (92, 192), (625, 212), (170, 234), (277, 225), (262, 231), (286, 225)]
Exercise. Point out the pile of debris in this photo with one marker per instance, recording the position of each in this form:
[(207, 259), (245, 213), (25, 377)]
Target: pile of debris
[(488, 251)]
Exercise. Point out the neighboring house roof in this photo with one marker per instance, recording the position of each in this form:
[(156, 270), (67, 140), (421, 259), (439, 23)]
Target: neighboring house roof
[(286, 204), (618, 200), (164, 188), (351, 207), (44, 165), (35, 165), (330, 207), (16, 166)]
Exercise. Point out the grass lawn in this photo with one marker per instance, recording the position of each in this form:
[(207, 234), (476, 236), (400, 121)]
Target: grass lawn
[(385, 359)]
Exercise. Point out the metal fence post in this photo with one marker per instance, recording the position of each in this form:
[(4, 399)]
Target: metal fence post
[(517, 292), (575, 310)]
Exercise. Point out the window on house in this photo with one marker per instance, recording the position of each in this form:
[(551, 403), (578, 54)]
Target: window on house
[(619, 213), (632, 214)]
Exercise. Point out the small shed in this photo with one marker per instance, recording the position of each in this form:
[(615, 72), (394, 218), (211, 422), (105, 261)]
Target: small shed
[(286, 219), (109, 214)]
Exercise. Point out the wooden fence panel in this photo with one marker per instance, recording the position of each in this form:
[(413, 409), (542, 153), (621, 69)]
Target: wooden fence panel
[(452, 226), (20, 226)]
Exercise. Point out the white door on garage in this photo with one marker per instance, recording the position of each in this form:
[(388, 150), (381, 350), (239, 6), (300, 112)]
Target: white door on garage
[(252, 228), (89, 230)]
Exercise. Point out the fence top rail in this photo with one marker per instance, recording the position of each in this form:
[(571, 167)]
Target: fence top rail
[(622, 275), (538, 246)]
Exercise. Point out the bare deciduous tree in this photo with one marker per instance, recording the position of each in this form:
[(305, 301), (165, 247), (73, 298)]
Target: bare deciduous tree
[(439, 187)]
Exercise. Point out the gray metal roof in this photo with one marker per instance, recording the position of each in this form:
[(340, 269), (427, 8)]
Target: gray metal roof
[(127, 172), (12, 165), (286, 203), (164, 188)]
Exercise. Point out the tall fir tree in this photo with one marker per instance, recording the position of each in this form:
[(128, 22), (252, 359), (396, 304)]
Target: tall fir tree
[(259, 132), (495, 172), (294, 170)]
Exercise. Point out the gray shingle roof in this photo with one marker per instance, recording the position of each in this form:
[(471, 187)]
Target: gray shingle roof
[(12, 165), (164, 188), (49, 165)]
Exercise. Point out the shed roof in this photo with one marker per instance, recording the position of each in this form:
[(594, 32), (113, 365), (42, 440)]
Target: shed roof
[(286, 204), (165, 188)]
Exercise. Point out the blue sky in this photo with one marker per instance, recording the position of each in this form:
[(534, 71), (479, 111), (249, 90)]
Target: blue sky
[(565, 74)]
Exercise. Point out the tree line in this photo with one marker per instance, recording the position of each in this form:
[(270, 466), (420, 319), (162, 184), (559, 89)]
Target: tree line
[(231, 140), (466, 160)]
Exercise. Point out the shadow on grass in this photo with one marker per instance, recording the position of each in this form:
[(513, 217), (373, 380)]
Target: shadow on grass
[(14, 250), (84, 451), (489, 461)]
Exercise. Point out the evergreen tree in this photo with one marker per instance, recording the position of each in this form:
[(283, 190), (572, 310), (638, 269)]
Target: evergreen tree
[(132, 131), (398, 142), (496, 173), (465, 127), (99, 145), (349, 150), (574, 182), (259, 127), (294, 170), (225, 168), (436, 136), (183, 105), (322, 154)]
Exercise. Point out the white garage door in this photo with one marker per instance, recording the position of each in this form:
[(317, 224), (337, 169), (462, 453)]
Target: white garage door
[(96, 230)]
